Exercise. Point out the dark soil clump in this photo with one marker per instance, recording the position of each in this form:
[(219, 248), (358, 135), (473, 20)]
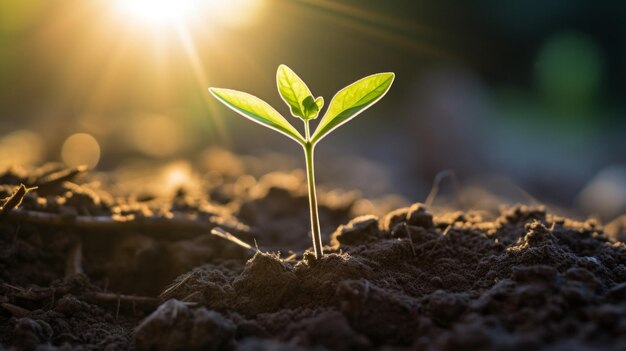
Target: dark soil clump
[(82, 269)]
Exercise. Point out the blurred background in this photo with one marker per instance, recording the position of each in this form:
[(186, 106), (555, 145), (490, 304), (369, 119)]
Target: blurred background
[(523, 101)]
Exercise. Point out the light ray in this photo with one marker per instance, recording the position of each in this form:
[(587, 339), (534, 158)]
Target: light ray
[(391, 29), (202, 80)]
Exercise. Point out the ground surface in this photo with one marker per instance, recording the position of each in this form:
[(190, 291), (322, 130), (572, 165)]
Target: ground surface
[(86, 265)]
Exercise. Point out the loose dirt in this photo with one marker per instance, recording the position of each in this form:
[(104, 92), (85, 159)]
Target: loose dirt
[(86, 263)]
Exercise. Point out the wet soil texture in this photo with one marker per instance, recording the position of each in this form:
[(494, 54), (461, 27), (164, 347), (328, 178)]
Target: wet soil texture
[(87, 264)]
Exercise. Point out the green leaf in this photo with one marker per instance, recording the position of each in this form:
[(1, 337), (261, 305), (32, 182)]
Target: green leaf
[(295, 93), (257, 111), (352, 100), (320, 103), (310, 107)]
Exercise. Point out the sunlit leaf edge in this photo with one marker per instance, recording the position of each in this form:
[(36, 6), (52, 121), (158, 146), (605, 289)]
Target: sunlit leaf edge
[(295, 105), (322, 129), (280, 124)]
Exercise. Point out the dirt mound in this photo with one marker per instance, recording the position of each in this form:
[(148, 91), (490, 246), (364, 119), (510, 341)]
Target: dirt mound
[(525, 280)]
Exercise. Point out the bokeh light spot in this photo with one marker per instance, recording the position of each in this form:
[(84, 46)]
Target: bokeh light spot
[(81, 149), (21, 147), (569, 69), (177, 175)]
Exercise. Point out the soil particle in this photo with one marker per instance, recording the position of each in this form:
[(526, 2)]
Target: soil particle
[(616, 230), (359, 230), (419, 216), (393, 218), (175, 326), (416, 215)]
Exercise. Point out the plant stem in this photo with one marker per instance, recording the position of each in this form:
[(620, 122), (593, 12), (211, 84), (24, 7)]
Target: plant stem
[(310, 176)]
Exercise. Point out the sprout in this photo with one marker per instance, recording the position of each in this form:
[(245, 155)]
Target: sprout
[(344, 106)]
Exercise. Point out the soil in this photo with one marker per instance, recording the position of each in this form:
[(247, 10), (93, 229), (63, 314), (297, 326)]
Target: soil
[(91, 262)]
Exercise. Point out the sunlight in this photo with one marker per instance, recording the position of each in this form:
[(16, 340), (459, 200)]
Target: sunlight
[(158, 11), (177, 175), (168, 12), (398, 31)]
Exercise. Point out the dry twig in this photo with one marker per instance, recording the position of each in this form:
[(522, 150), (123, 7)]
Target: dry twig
[(97, 298), (16, 311), (74, 263), (219, 232), (51, 180), (15, 199), (179, 223), (436, 184)]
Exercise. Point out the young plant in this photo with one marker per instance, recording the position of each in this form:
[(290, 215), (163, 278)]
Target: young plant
[(345, 105)]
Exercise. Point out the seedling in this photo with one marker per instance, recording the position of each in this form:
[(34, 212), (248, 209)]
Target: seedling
[(344, 106)]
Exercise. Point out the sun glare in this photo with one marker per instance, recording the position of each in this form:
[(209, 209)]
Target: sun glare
[(167, 12), (158, 11), (177, 175)]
